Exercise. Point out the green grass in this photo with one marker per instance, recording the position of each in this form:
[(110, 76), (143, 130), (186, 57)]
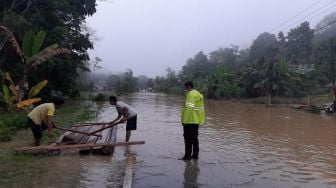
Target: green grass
[(11, 122), (68, 115)]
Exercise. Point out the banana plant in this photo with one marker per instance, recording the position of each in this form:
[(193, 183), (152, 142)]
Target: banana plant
[(8, 94), (31, 54), (32, 93), (6, 98)]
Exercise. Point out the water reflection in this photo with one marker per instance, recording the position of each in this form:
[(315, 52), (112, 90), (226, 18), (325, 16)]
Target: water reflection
[(191, 172)]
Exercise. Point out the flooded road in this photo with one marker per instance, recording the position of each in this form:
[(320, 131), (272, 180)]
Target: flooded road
[(241, 145)]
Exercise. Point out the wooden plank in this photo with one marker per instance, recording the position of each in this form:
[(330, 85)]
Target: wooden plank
[(91, 123), (110, 138), (104, 135), (60, 139), (106, 127), (81, 124), (77, 137), (86, 138), (128, 171), (76, 146), (77, 131), (93, 139)]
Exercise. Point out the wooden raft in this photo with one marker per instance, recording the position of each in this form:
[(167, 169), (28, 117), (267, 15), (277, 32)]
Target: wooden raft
[(102, 142)]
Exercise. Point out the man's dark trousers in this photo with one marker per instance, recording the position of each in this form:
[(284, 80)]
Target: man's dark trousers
[(190, 134)]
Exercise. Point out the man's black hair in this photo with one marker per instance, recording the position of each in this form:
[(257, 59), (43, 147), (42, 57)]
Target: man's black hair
[(57, 101), (113, 98), (189, 84)]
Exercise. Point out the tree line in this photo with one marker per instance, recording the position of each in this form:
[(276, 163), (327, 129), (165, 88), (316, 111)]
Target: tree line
[(293, 64), (43, 44)]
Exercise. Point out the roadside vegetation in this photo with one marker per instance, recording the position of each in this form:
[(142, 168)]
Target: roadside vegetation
[(281, 68), (293, 65)]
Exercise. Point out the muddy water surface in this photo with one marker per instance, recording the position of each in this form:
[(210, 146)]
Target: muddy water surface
[(241, 145)]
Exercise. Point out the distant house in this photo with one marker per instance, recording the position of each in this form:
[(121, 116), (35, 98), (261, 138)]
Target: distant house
[(303, 68)]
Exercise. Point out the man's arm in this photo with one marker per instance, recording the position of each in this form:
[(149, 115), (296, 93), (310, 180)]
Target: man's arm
[(51, 124), (124, 114), (116, 119)]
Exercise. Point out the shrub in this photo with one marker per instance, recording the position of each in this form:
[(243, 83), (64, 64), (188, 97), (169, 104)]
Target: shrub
[(10, 123), (100, 97)]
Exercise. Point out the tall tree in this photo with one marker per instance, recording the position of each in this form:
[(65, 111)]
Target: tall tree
[(325, 29), (63, 21), (265, 46), (299, 44), (226, 57)]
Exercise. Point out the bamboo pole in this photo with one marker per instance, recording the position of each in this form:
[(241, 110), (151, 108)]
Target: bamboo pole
[(76, 131), (79, 124), (99, 130), (128, 171), (77, 146)]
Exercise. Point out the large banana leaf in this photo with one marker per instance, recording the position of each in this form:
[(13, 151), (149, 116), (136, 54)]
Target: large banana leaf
[(12, 85), (28, 40), (8, 77), (27, 102), (5, 96), (41, 53), (1, 74), (38, 42), (37, 88), (5, 93), (12, 40), (2, 99), (50, 54)]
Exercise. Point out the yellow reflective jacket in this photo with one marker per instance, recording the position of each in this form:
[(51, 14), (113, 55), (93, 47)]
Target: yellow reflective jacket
[(193, 110)]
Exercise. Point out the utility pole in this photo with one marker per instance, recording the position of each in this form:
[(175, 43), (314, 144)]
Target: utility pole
[(332, 45)]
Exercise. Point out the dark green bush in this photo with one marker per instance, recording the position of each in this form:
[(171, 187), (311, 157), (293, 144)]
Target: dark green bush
[(10, 123), (5, 133), (100, 97)]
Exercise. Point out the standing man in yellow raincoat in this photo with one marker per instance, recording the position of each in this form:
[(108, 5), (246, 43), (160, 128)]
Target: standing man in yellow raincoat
[(192, 116)]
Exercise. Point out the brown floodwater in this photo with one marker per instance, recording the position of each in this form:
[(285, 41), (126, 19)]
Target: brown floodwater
[(241, 145)]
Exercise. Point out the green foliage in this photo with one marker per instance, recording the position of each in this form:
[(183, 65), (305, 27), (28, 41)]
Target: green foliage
[(31, 56), (126, 83), (10, 123), (6, 98), (168, 84), (299, 44), (36, 89), (289, 65), (222, 83), (265, 46), (100, 97), (69, 114), (9, 94), (60, 22)]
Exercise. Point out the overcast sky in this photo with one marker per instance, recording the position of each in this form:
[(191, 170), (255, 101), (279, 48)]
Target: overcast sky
[(148, 36)]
